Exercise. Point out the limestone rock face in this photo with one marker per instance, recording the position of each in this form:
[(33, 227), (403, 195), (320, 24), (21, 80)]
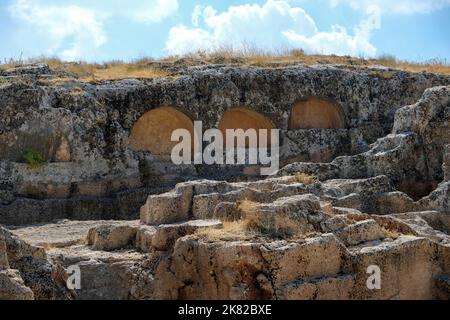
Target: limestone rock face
[(411, 157), (446, 164), (322, 288), (443, 284), (439, 198), (84, 131), (316, 145), (170, 207), (187, 261), (3, 256), (368, 230), (287, 215), (428, 118), (38, 69), (116, 275), (163, 237), (112, 237), (326, 256), (12, 286), (368, 191), (25, 272)]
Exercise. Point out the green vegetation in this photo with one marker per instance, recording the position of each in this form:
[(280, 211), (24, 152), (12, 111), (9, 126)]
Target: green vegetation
[(34, 159)]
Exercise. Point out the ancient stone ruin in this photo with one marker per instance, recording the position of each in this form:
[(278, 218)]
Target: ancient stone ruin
[(86, 182)]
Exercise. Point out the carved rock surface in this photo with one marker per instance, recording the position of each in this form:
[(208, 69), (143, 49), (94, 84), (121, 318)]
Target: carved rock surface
[(371, 194), (25, 271)]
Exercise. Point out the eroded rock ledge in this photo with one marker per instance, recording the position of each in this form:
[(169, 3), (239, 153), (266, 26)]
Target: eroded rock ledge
[(310, 232), (94, 167)]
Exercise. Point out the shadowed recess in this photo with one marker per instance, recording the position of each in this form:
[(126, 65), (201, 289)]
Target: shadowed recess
[(244, 118), (153, 131), (316, 113)]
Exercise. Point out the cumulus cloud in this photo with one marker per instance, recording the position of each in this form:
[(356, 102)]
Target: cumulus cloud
[(338, 40), (197, 14), (77, 29), (274, 25), (397, 6), (82, 26), (150, 11)]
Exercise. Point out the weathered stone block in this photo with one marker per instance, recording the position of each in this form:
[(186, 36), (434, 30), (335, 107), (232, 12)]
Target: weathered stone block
[(321, 256), (12, 286), (169, 207), (163, 237), (111, 237), (324, 288), (361, 231)]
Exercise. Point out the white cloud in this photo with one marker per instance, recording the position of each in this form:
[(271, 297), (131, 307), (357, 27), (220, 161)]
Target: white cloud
[(183, 40), (76, 30), (275, 25), (197, 14), (338, 41), (150, 11), (397, 6), (82, 26)]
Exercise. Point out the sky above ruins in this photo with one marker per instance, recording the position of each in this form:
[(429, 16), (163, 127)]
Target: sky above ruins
[(103, 30)]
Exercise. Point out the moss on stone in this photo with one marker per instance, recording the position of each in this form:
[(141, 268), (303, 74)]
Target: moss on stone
[(34, 158)]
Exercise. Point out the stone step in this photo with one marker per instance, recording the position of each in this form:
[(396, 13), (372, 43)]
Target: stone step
[(62, 233), (362, 231), (338, 287), (163, 237)]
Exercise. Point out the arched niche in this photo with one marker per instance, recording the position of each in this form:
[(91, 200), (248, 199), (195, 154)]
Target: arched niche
[(153, 131), (245, 118), (316, 113)]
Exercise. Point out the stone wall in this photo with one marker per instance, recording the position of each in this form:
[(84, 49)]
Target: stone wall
[(84, 130)]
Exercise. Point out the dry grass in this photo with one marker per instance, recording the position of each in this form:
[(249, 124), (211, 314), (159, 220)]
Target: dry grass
[(231, 231), (127, 71), (267, 224), (150, 68), (390, 234), (255, 224), (303, 178), (252, 220), (257, 57), (83, 71), (432, 65)]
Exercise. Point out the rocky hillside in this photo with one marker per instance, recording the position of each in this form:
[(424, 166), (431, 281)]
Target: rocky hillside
[(370, 191)]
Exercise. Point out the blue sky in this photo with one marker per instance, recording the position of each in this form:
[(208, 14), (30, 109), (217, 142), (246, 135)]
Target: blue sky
[(100, 30)]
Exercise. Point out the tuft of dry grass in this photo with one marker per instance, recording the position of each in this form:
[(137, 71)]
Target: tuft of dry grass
[(231, 231), (304, 178), (255, 224), (390, 233), (267, 224), (252, 220)]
